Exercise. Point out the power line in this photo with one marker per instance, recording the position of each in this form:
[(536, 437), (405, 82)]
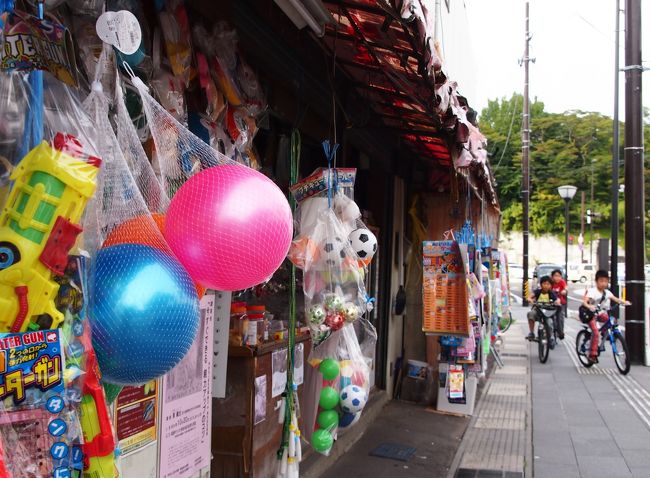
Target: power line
[(512, 120)]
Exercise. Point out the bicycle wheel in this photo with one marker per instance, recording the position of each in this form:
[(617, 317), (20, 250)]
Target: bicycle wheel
[(506, 322), (583, 347), (543, 339), (621, 354)]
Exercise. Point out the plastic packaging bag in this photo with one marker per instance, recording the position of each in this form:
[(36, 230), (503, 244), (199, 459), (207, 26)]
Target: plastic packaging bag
[(338, 384), (50, 395), (332, 279)]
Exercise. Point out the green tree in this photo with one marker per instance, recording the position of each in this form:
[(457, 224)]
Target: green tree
[(567, 148)]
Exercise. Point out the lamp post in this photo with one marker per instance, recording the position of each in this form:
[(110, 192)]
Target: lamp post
[(566, 192)]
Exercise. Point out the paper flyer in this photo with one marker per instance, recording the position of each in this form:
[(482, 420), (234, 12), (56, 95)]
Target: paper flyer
[(279, 372), (186, 413), (135, 417)]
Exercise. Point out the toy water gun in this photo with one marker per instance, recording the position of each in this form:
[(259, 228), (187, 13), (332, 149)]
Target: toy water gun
[(99, 443), (38, 227)]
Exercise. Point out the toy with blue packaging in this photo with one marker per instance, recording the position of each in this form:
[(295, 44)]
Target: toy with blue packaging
[(53, 418)]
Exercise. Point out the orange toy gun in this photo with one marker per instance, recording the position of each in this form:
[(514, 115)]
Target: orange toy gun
[(38, 227)]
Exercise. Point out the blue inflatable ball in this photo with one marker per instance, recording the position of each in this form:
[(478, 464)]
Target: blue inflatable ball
[(144, 313)]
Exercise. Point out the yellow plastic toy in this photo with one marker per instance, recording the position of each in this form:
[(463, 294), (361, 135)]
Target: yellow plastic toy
[(38, 227)]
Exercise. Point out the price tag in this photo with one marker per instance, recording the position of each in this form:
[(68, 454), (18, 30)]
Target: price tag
[(120, 29)]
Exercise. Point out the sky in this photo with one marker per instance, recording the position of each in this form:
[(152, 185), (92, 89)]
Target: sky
[(572, 43)]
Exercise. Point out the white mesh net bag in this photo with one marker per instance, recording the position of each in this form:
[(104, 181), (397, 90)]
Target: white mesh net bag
[(144, 308), (229, 225)]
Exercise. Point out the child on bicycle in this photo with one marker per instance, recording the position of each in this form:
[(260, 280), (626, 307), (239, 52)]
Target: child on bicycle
[(561, 290), (599, 296), (544, 294)]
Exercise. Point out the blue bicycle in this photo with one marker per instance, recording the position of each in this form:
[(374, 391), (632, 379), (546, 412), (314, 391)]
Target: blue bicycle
[(609, 332)]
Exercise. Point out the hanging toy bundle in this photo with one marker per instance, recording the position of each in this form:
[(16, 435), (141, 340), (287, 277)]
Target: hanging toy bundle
[(229, 225), (53, 416), (333, 247), (131, 254), (338, 385)]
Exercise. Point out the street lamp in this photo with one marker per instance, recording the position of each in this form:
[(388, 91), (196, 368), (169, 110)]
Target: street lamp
[(566, 192)]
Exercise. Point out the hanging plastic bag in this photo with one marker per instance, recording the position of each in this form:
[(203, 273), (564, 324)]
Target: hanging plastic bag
[(338, 384), (49, 397)]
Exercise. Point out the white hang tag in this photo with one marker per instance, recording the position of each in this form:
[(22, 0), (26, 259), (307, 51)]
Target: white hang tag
[(120, 29)]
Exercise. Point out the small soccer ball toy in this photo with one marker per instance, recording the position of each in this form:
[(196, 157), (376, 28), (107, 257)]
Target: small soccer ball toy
[(316, 314), (351, 312), (333, 251), (364, 243), (353, 399), (333, 303), (335, 321)]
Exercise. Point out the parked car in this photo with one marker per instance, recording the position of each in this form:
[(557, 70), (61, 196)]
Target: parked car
[(545, 269), (581, 272)]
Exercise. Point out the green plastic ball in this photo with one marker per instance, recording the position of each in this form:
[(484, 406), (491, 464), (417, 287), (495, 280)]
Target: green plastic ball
[(329, 398), (328, 419), (329, 368), (322, 441)]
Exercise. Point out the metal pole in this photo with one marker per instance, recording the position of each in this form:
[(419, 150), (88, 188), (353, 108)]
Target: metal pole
[(613, 262), (634, 194), (582, 226), (566, 238), (525, 145), (593, 215)]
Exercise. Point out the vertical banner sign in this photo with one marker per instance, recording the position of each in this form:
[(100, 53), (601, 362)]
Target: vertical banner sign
[(187, 405), (220, 345)]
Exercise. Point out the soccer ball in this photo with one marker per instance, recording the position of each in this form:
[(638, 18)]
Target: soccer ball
[(353, 399), (333, 252), (364, 243), (316, 314), (351, 311), (349, 419)]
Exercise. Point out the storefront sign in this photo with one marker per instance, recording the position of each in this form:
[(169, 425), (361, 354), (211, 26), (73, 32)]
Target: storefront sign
[(187, 405), (135, 417)]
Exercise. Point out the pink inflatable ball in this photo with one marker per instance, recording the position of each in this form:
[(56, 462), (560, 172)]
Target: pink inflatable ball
[(230, 226)]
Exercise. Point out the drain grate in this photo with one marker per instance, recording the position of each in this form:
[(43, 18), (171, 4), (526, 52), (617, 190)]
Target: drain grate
[(471, 473), (393, 451)]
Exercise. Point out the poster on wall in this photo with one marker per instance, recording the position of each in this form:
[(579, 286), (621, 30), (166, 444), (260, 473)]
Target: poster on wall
[(260, 399), (279, 372), (135, 417), (187, 405), (299, 364)]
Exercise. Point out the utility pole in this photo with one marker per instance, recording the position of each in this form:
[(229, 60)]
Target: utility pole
[(592, 214), (613, 262), (634, 194), (525, 145), (582, 227)]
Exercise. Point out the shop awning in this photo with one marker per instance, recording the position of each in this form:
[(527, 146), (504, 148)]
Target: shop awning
[(387, 49)]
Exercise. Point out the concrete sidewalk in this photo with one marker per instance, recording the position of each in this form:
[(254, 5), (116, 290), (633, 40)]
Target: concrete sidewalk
[(589, 422), (498, 440), (435, 438)]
